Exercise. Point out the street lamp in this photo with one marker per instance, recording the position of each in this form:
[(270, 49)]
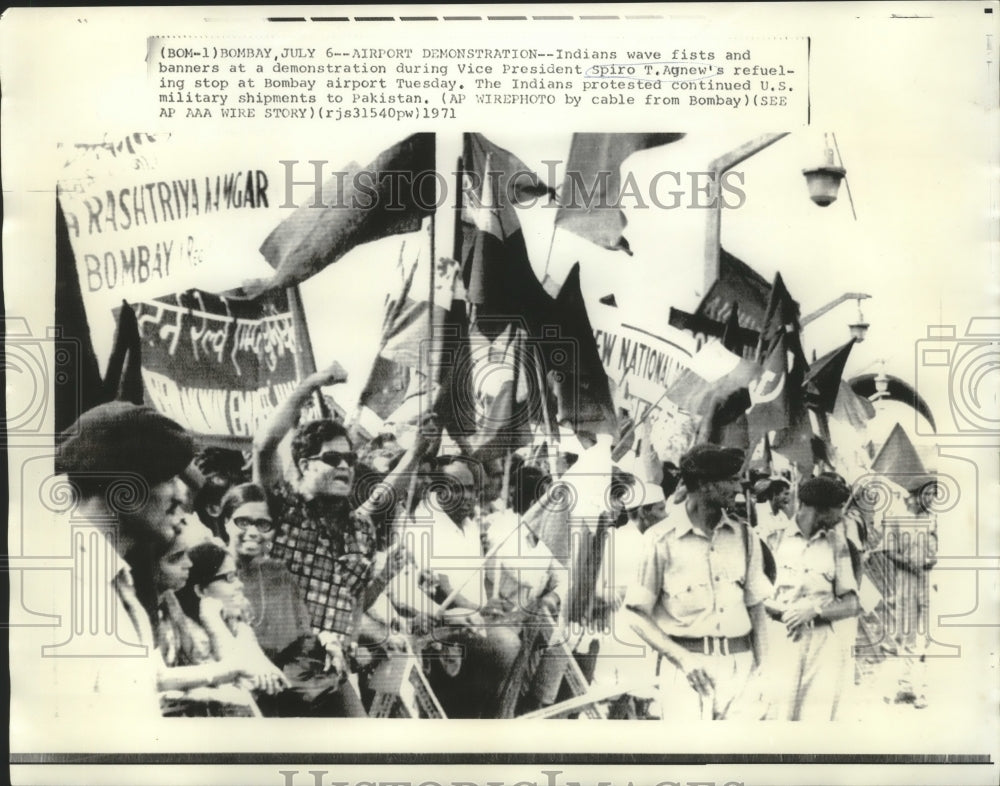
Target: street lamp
[(859, 329), (824, 181)]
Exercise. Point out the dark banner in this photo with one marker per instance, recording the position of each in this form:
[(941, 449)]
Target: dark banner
[(218, 366)]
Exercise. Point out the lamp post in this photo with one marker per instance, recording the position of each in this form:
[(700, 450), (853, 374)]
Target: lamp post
[(717, 168), (859, 329), (823, 183)]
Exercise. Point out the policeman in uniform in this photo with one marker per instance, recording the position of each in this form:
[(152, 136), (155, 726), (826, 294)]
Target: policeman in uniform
[(814, 587), (698, 596)]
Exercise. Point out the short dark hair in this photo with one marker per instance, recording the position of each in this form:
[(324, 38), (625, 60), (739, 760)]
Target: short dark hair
[(206, 559), (309, 437), (237, 496), (211, 493), (692, 482)]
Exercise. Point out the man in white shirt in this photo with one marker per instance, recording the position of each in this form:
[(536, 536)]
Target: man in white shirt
[(123, 460), (471, 656)]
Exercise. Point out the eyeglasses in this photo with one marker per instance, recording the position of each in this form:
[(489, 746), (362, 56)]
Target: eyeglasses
[(229, 578), (335, 457), (263, 525)]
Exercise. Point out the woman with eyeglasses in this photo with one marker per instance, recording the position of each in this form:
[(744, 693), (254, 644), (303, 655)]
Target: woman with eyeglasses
[(188, 666), (275, 610), (213, 597)]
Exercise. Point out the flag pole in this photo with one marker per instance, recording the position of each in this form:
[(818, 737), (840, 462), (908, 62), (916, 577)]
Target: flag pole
[(305, 361), (430, 292), (505, 488), (459, 196), (548, 256), (543, 393)]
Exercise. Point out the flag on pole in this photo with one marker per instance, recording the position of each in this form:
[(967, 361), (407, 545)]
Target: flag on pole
[(82, 387), (577, 378), (499, 281), (455, 402), (823, 382), (514, 181), (401, 363), (776, 395), (737, 283), (780, 319), (593, 189), (715, 389), (569, 520), (359, 205), (123, 378), (714, 371), (777, 404), (508, 399)]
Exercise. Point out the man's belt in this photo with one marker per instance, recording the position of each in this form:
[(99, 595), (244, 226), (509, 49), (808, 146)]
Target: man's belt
[(714, 645)]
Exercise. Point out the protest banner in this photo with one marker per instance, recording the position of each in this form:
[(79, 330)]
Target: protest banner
[(218, 366)]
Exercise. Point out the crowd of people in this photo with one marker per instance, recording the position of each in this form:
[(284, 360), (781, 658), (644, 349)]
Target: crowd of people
[(286, 585)]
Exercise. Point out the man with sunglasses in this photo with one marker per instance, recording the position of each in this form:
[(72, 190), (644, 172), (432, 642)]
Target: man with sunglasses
[(327, 546)]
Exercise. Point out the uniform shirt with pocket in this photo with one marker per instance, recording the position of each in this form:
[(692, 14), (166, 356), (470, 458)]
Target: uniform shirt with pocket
[(695, 584), (817, 569)]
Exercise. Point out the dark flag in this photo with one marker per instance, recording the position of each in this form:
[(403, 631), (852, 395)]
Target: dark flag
[(780, 319), (737, 283), (123, 379), (82, 388), (776, 396), (359, 205), (822, 383), (581, 384), (593, 189), (496, 271), (731, 333), (852, 409), (455, 402), (738, 287), (695, 389)]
